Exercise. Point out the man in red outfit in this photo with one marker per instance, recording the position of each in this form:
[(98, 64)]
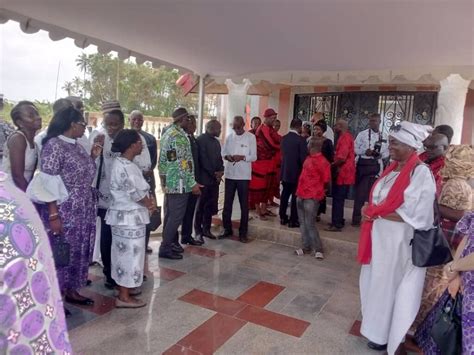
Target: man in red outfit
[(343, 174), (268, 144), (435, 148)]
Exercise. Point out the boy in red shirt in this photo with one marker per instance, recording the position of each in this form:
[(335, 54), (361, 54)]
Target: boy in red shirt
[(312, 184)]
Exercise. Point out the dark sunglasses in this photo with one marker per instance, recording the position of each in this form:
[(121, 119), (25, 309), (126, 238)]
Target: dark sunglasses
[(398, 128)]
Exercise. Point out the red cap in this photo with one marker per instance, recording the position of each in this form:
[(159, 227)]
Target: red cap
[(269, 112)]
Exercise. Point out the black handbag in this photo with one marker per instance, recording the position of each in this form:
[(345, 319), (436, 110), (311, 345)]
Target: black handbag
[(430, 247), (155, 219), (447, 328), (61, 251)]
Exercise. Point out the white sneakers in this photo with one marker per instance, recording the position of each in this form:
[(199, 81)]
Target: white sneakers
[(318, 255)]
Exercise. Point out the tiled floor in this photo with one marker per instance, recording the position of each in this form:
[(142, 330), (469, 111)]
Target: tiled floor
[(228, 298)]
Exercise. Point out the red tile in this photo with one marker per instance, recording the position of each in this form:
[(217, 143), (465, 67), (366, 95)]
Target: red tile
[(212, 334), (261, 294), (191, 249), (168, 274), (213, 302), (355, 329), (102, 304), (179, 350), (272, 320)]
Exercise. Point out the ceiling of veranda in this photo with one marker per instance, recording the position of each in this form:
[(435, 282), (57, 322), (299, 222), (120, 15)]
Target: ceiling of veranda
[(280, 41)]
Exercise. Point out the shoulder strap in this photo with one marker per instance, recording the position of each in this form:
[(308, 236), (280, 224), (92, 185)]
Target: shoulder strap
[(99, 172)]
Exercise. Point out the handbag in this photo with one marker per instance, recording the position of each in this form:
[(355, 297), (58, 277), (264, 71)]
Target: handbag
[(155, 219), (61, 251), (447, 328), (430, 247)]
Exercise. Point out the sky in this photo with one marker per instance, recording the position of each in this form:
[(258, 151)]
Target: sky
[(29, 64)]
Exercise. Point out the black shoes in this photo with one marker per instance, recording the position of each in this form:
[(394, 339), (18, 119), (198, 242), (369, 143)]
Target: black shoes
[(110, 284), (84, 302), (377, 347), (284, 221), (199, 239), (293, 224), (176, 248), (226, 234), (170, 255), (333, 229), (191, 241), (208, 234), (243, 239)]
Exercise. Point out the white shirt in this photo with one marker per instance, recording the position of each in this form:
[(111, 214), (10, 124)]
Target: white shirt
[(244, 144), (366, 140), (83, 141), (329, 134)]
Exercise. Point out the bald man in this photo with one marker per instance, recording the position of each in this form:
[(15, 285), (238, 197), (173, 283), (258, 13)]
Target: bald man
[(136, 122), (436, 146), (343, 172), (211, 170)]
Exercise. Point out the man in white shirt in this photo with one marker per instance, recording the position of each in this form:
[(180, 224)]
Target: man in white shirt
[(371, 149), (318, 116), (239, 151)]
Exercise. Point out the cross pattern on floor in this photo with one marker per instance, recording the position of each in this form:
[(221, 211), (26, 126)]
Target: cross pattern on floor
[(232, 315)]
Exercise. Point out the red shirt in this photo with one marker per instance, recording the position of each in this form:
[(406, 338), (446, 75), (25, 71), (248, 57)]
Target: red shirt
[(315, 175), (345, 151), (268, 142), (435, 166)]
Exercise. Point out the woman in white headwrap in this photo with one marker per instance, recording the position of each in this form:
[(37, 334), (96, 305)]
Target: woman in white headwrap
[(401, 201)]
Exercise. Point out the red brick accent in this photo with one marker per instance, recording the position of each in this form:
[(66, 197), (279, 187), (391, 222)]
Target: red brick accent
[(388, 88), (352, 88), (319, 89)]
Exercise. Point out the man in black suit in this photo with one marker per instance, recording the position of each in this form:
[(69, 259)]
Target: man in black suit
[(187, 226), (211, 170), (293, 154)]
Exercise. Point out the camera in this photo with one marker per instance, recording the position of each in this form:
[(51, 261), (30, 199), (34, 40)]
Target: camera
[(378, 148)]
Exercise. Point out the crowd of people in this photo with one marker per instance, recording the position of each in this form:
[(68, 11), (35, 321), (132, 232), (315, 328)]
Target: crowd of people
[(101, 185)]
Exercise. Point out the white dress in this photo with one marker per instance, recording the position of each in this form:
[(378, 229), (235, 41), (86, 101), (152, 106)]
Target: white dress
[(391, 286), (31, 159), (128, 220)]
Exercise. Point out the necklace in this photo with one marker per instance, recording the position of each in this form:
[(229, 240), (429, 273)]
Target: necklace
[(384, 182)]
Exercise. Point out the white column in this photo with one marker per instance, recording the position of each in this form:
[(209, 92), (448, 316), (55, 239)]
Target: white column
[(451, 102), (237, 99), (201, 98)]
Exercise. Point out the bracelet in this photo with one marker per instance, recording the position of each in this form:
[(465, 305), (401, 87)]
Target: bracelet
[(53, 215), (53, 218)]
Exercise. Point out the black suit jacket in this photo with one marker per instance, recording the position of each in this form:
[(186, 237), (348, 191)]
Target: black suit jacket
[(210, 159), (293, 153), (195, 152)]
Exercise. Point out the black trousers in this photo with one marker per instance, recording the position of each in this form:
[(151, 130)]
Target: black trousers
[(242, 189), (175, 208), (339, 195), (206, 208), (366, 172), (187, 226), (105, 244), (289, 190)]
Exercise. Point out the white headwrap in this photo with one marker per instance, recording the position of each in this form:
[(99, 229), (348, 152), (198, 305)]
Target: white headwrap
[(411, 134)]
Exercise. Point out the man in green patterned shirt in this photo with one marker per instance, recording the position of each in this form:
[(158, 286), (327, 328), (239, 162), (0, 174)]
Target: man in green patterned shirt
[(177, 181)]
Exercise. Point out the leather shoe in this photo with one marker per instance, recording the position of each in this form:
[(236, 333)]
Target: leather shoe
[(177, 248), (170, 255), (333, 229), (293, 225), (284, 221), (200, 239), (209, 235), (110, 284), (226, 234), (85, 302), (243, 239), (377, 347), (191, 241)]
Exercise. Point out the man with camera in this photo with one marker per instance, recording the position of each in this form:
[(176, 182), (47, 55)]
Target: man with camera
[(371, 149)]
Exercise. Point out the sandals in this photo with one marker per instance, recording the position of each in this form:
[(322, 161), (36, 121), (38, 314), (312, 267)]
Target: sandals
[(122, 304)]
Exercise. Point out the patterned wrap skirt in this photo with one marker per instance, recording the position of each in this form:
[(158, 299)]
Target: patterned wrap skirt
[(128, 255)]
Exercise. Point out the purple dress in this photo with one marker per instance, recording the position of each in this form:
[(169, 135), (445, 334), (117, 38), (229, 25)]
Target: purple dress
[(77, 169), (466, 227), (31, 309), (422, 335)]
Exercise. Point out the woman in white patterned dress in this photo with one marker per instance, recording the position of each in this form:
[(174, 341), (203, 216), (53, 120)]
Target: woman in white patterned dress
[(128, 216)]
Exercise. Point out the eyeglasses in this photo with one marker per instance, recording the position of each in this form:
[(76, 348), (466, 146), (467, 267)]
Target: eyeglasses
[(398, 128), (81, 123)]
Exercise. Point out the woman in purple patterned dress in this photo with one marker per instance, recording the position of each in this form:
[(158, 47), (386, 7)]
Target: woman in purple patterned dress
[(460, 272), (64, 187), (31, 309)]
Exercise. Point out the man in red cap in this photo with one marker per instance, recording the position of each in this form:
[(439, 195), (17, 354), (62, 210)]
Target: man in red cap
[(268, 144)]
